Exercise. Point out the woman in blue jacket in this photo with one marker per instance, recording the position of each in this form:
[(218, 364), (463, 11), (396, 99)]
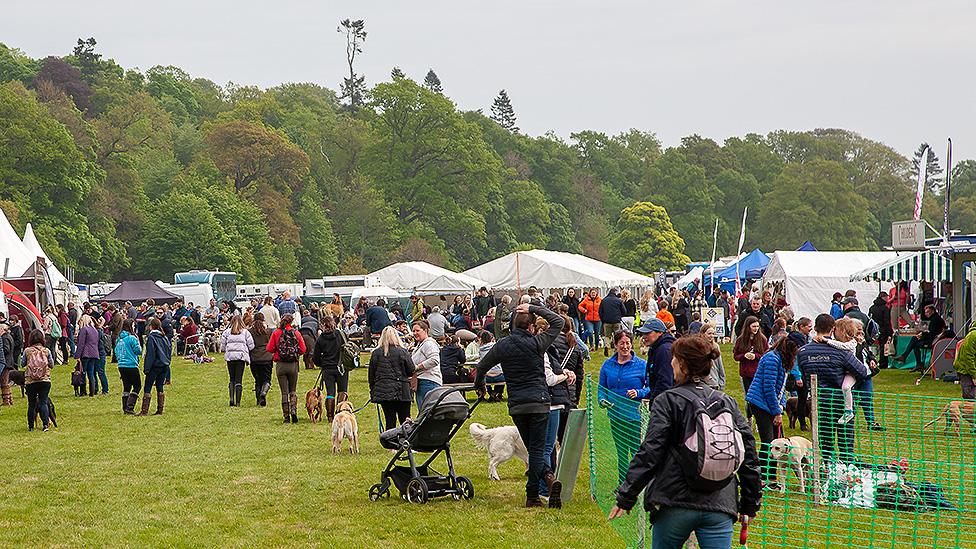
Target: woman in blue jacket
[(128, 351), (623, 383), (767, 397)]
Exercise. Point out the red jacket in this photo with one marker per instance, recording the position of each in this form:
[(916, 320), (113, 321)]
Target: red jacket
[(590, 308), (276, 335), (747, 368), (188, 332)]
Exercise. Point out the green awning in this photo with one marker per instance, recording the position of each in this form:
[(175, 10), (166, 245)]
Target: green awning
[(926, 265)]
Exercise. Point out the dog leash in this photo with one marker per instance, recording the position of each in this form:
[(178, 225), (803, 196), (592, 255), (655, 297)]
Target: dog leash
[(363, 407)]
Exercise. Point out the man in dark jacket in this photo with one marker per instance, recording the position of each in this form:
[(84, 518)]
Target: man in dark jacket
[(377, 318), (852, 309), (482, 302), (660, 374), (503, 317), (520, 356), (754, 309), (932, 326), (611, 312), (881, 315), (830, 365)]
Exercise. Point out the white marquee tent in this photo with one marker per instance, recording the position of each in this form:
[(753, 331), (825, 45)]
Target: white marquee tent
[(31, 243), (811, 278), (421, 278), (548, 269), (13, 253)]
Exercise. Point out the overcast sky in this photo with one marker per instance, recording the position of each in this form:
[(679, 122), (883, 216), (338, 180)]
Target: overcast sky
[(897, 71)]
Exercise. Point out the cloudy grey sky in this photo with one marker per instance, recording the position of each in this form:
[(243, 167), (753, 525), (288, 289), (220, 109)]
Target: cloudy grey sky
[(898, 71)]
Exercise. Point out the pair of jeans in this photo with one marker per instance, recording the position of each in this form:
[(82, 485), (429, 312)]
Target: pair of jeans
[(424, 386), (626, 433), (131, 380), (261, 371), (52, 345), (395, 412), (333, 381), (593, 327), (674, 525), (746, 383), (767, 434), (865, 398), (155, 376), (552, 431), (100, 371), (63, 345), (829, 409), (71, 340), (90, 366), (533, 429), (37, 394)]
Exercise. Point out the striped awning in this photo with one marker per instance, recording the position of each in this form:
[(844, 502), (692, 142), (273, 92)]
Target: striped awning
[(926, 265)]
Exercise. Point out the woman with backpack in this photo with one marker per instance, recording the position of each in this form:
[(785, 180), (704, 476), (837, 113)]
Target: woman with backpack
[(328, 357), (127, 352), (749, 346), (87, 351), (236, 344), (390, 368), (261, 359), (767, 399), (156, 365), (679, 500), (287, 346), (37, 378)]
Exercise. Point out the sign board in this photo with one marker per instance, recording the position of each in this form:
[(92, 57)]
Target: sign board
[(716, 317), (908, 235)]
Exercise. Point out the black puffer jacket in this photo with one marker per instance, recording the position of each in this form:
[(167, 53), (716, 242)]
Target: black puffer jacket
[(881, 314), (326, 355), (520, 356), (389, 375), (656, 468), (564, 393)]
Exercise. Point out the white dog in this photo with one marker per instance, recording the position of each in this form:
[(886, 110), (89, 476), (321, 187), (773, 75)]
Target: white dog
[(502, 443), (795, 453)]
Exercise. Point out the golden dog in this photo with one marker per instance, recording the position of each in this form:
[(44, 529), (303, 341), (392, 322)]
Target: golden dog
[(344, 426), (313, 403), (954, 413)]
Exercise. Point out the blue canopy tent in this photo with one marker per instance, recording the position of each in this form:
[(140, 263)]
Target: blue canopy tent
[(751, 266), (806, 247)]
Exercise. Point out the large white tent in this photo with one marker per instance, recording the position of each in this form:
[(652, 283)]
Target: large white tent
[(13, 253), (811, 278), (548, 269), (31, 243), (421, 278)]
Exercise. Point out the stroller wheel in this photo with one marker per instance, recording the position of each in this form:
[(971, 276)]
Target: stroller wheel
[(417, 491), (377, 491), (464, 487)]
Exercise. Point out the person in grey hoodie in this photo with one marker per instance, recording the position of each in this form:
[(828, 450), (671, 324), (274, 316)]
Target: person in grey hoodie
[(236, 344)]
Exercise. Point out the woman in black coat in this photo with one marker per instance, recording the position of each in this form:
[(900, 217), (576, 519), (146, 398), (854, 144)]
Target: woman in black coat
[(452, 362), (390, 368), (326, 356)]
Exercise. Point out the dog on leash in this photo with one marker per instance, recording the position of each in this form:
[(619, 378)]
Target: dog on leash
[(954, 413), (502, 444), (17, 378), (795, 453), (314, 405), (344, 426), (791, 410), (79, 380)]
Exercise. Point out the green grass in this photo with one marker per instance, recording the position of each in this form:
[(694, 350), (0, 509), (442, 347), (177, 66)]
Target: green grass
[(205, 474)]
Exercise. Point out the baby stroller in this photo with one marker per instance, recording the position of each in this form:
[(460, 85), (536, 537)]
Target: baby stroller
[(442, 413)]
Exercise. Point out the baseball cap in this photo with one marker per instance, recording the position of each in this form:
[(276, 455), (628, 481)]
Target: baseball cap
[(652, 325)]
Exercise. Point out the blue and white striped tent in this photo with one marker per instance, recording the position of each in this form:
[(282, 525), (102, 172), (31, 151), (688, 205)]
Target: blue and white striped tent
[(926, 265)]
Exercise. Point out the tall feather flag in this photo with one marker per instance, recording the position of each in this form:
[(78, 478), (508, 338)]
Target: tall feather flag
[(923, 163), (948, 189), (742, 240), (711, 266)]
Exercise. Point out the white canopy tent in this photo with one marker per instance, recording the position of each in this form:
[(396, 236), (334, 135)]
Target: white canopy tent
[(811, 278), (548, 269), (31, 243), (691, 276), (421, 278), (373, 293), (13, 253)]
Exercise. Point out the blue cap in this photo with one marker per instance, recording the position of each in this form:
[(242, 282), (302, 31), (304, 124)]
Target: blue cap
[(652, 325)]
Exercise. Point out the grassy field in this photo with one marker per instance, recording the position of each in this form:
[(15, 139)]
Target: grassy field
[(205, 474)]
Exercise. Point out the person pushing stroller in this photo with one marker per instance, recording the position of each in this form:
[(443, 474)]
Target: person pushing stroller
[(520, 356)]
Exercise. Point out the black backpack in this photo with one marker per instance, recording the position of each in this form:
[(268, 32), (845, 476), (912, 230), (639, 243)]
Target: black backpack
[(288, 347)]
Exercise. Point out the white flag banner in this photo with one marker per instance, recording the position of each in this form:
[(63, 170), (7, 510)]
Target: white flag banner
[(923, 163), (742, 240), (711, 266)]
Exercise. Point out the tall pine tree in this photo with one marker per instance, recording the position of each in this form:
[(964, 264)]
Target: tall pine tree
[(432, 83), (503, 113), (933, 171), (353, 88), (397, 74)]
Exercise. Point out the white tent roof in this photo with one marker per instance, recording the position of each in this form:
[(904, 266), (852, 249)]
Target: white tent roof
[(31, 243), (374, 292), (548, 269), (422, 278), (691, 276), (13, 248), (811, 278)]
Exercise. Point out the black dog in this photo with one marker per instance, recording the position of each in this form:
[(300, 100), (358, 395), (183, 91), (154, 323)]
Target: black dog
[(52, 414), (78, 380), (17, 378), (791, 411)]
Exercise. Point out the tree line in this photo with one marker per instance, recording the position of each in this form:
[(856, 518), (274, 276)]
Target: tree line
[(128, 174)]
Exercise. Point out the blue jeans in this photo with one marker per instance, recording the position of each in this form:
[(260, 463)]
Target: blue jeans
[(673, 526), (71, 339), (100, 370), (593, 329), (90, 365), (551, 433), (424, 386), (865, 398)]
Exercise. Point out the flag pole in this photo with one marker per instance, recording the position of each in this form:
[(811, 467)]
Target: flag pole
[(948, 191), (742, 240), (711, 266)]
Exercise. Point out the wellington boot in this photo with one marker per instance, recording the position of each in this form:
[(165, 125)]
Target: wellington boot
[(230, 391), (293, 403), (285, 411), (330, 404), (130, 404), (160, 398), (125, 399), (238, 391), (8, 397), (146, 401)]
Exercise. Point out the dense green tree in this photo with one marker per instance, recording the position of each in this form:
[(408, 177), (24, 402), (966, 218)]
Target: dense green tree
[(249, 154), (528, 213), (16, 65), (562, 238), (707, 154), (814, 201), (645, 241), (87, 59), (753, 155), (396, 74), (317, 255), (503, 113), (691, 200)]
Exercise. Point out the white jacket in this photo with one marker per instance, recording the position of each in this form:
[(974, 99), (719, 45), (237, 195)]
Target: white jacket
[(236, 347), (427, 358)]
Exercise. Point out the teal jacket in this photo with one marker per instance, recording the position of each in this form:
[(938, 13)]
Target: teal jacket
[(128, 350)]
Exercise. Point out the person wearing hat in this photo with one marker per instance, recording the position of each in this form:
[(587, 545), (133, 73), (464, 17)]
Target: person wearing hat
[(660, 374), (852, 309)]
